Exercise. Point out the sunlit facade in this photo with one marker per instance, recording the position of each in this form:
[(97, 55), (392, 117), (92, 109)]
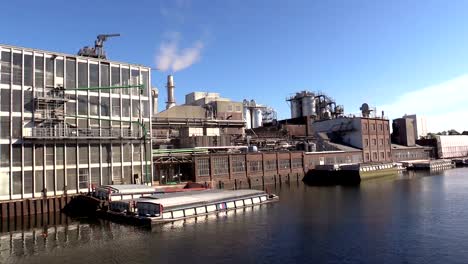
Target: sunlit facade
[(58, 135)]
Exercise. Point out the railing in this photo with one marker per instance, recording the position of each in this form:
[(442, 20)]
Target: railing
[(90, 133)]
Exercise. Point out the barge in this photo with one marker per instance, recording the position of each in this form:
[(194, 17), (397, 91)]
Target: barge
[(169, 207)]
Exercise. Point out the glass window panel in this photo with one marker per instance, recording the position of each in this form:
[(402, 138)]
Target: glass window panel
[(82, 74), (28, 155), (28, 70), (126, 107), (50, 72), (145, 108), (50, 181), (39, 181), (71, 179), (135, 80), (83, 178), (117, 173), (60, 178), (4, 127), (106, 150), (95, 177), (28, 182), (39, 72), (115, 79), (105, 77), (71, 154), (93, 75), (71, 74), (17, 68), (94, 105), (17, 182), (59, 157), (4, 155), (59, 70), (105, 106), (106, 172), (28, 101), (82, 105), (83, 154), (5, 100), (71, 108), (4, 183), (82, 123), (125, 80), (127, 153), (136, 152), (17, 126), (116, 157), (17, 106), (5, 74), (135, 108), (39, 155), (49, 155), (116, 107), (145, 79), (16, 155)]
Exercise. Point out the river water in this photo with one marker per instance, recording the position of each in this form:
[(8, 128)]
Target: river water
[(412, 218)]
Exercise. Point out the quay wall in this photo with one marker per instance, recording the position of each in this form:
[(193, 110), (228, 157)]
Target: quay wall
[(33, 206), (251, 170)]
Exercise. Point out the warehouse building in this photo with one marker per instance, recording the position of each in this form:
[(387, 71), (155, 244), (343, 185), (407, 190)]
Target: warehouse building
[(66, 127)]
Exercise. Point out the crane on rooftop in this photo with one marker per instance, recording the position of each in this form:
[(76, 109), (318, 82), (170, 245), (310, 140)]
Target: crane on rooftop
[(98, 50)]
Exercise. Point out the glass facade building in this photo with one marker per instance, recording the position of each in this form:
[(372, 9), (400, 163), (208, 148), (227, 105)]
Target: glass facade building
[(65, 127)]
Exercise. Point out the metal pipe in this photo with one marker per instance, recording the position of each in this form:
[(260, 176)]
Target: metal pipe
[(170, 92)]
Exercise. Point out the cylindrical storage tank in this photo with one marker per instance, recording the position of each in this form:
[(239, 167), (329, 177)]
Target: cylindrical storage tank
[(257, 118), (308, 106), (247, 117), (154, 97), (296, 109)]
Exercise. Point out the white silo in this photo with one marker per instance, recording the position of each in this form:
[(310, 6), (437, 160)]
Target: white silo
[(257, 118), (247, 115), (296, 109)]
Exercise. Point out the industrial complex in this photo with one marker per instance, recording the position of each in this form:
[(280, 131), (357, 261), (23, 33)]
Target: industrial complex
[(71, 123)]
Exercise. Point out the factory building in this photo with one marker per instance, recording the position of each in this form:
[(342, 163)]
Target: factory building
[(404, 132), (68, 123)]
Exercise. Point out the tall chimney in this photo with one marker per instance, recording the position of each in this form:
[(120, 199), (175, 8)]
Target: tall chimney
[(170, 92), (154, 96)]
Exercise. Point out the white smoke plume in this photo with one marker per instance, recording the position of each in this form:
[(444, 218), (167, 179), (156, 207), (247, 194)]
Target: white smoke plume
[(171, 58)]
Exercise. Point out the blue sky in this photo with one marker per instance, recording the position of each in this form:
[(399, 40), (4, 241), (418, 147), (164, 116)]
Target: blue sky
[(401, 56)]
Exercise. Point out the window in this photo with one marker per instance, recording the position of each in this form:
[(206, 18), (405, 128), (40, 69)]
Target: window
[(71, 179), (203, 167), (106, 150), (238, 164), (127, 153), (136, 152), (83, 175), (59, 155), (270, 165), (238, 108), (71, 108), (135, 108), (82, 74), (4, 155), (93, 75), (49, 74), (94, 152), (82, 105), (50, 181), (365, 127), (28, 101), (95, 177), (83, 151), (71, 74), (135, 80), (28, 70), (145, 79), (284, 164), (39, 181), (105, 76), (49, 155), (4, 183), (126, 107), (116, 107), (382, 155), (374, 155), (145, 108), (221, 165), (106, 179), (71, 154), (229, 108), (16, 155), (4, 127), (388, 153), (367, 157), (380, 127), (94, 105), (381, 141), (39, 155), (5, 66), (28, 182), (116, 153), (17, 69), (105, 106), (125, 80), (5, 100), (255, 166), (373, 126), (17, 126), (60, 178), (297, 163), (115, 79), (28, 155), (374, 142), (16, 106), (39, 72), (366, 142)]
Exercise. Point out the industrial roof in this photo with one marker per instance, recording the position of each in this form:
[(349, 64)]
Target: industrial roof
[(183, 111)]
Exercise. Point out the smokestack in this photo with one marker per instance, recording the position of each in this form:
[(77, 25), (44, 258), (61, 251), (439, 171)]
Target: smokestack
[(170, 92), (154, 95)]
